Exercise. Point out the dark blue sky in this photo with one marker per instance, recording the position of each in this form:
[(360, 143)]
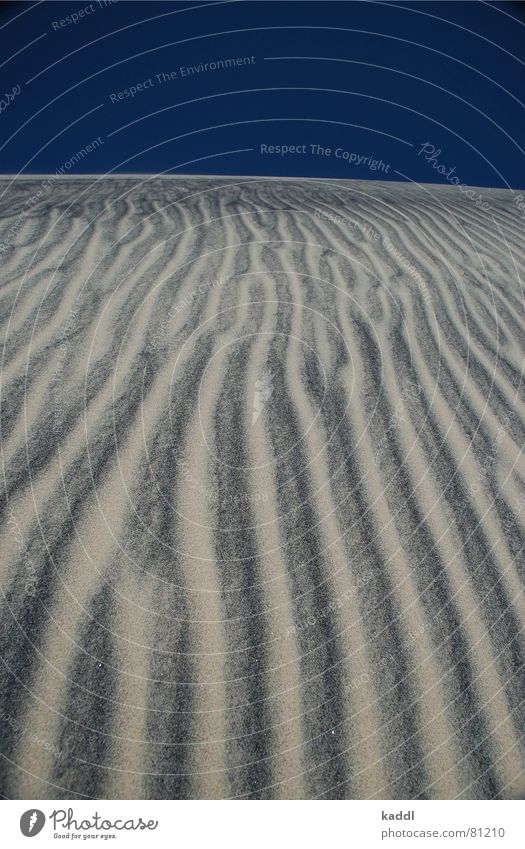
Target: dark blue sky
[(368, 82)]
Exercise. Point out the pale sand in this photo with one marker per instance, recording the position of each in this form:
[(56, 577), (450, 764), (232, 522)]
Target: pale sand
[(263, 493)]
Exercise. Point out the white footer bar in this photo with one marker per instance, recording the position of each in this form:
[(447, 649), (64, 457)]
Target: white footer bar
[(268, 825)]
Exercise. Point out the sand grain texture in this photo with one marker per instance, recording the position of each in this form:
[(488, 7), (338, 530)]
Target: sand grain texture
[(263, 503)]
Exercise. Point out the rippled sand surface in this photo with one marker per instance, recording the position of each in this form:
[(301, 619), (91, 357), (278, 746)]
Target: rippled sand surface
[(263, 501)]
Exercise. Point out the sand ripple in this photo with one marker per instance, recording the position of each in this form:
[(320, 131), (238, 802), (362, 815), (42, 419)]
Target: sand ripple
[(263, 501)]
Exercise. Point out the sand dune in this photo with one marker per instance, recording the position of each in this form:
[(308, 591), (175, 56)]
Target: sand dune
[(263, 501)]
